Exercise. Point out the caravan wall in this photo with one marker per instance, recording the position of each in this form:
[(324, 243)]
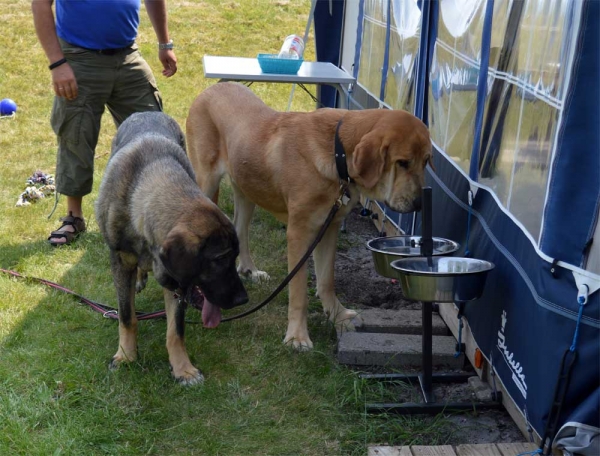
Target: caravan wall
[(509, 91)]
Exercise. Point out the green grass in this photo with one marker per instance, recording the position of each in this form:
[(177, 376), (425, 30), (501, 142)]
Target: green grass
[(57, 395)]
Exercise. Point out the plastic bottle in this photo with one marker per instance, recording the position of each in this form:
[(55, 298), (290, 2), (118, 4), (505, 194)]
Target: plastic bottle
[(292, 48)]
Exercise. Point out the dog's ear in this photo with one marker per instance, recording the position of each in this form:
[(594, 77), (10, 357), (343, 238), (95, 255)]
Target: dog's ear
[(430, 162), (368, 160), (180, 253)]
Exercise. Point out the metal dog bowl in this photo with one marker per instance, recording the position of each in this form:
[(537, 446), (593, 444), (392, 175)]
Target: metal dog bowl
[(442, 279), (387, 249)]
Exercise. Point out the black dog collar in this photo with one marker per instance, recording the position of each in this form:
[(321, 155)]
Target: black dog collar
[(340, 157)]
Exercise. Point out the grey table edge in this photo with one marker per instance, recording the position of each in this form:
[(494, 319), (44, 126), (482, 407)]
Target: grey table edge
[(245, 69)]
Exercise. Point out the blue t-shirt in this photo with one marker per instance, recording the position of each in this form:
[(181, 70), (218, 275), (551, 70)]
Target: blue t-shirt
[(98, 24)]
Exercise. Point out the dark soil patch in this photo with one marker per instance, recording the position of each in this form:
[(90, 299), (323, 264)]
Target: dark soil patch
[(357, 285), (356, 282)]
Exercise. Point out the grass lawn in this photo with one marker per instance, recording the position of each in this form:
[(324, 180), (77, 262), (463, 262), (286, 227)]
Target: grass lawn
[(56, 394)]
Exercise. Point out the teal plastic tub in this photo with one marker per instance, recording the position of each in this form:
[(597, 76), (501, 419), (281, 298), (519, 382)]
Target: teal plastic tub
[(270, 63)]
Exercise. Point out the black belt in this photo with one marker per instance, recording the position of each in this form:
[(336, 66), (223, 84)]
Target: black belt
[(112, 51)]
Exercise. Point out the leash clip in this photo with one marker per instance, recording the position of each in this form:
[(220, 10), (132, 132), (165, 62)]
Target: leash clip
[(344, 197), (109, 313)]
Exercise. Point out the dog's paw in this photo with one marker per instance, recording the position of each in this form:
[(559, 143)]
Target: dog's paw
[(255, 276), (113, 364), (344, 320), (121, 357), (188, 377), (300, 344), (260, 276)]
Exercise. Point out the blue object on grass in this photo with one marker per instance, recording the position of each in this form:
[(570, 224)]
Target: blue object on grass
[(7, 107), (271, 63)]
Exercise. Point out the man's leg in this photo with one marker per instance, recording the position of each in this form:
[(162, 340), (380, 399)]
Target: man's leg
[(77, 126), (74, 205)]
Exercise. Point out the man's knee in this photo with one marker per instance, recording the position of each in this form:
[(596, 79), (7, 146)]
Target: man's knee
[(74, 169), (77, 130)]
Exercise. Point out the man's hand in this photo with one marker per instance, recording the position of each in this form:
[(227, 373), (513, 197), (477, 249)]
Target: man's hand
[(64, 82), (169, 62)]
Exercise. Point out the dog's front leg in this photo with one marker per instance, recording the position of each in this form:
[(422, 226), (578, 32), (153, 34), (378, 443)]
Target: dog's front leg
[(182, 368), (124, 269), (324, 257), (297, 331)]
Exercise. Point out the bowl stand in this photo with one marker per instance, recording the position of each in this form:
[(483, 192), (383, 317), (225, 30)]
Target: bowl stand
[(426, 378)]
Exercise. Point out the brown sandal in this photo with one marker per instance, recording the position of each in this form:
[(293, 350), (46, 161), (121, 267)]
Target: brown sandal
[(78, 225)]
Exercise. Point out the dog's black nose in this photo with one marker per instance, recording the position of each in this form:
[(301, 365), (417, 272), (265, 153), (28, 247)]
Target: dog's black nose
[(417, 204)]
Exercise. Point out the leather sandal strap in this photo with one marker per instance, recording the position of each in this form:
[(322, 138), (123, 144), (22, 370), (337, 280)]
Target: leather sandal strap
[(76, 222), (70, 219), (61, 235)]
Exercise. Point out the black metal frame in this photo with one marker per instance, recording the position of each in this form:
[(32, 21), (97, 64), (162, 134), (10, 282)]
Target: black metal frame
[(427, 378)]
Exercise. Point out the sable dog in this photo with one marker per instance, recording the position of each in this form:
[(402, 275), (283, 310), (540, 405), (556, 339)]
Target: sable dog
[(285, 163), (154, 218)]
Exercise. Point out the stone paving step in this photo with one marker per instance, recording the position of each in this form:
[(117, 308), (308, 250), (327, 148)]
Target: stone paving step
[(397, 322), (394, 350)]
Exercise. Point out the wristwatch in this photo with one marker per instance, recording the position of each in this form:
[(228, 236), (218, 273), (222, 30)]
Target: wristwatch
[(168, 45)]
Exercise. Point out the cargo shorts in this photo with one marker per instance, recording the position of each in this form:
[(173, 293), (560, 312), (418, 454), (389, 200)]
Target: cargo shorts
[(122, 82)]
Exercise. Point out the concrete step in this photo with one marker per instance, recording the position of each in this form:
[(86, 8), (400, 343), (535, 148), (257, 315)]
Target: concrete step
[(394, 350), (397, 322)]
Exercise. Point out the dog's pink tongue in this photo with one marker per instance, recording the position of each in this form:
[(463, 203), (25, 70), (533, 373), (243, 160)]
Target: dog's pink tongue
[(211, 314)]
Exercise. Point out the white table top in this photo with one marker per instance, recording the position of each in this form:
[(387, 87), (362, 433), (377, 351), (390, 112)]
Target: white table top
[(247, 69)]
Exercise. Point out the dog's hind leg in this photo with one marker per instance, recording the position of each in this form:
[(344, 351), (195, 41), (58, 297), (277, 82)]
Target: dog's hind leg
[(124, 271), (324, 257), (209, 184), (242, 215), (182, 368), (204, 152)]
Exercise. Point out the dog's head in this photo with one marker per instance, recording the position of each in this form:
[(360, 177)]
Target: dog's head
[(201, 251), (388, 163)]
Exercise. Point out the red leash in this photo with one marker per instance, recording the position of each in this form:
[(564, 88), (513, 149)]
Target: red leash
[(106, 311), (109, 312)]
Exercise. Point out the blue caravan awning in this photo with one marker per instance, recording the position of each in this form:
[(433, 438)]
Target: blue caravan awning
[(575, 178), (509, 91)]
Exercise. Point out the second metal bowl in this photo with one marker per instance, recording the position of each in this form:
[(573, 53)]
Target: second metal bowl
[(387, 249), (442, 279)]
